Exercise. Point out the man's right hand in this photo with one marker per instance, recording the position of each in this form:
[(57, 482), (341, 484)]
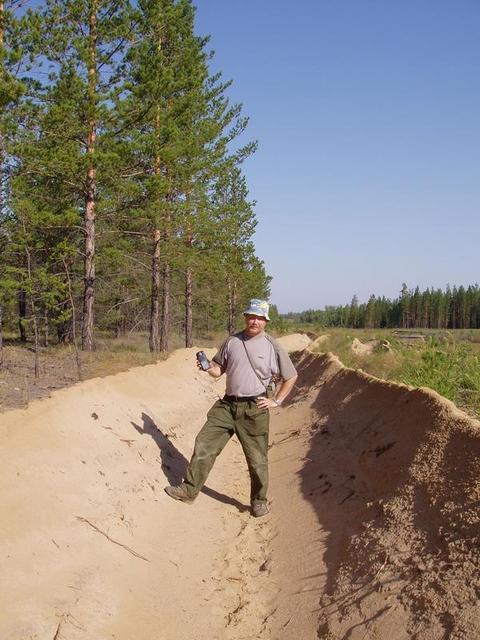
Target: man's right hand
[(215, 370)]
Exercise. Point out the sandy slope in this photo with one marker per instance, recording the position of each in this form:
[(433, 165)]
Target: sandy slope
[(373, 531), (383, 511)]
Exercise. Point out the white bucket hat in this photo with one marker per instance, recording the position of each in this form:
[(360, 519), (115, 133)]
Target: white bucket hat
[(258, 308)]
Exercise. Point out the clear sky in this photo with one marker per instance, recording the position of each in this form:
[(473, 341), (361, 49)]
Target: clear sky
[(367, 116)]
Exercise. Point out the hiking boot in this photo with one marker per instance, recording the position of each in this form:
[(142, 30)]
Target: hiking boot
[(259, 508), (178, 493)]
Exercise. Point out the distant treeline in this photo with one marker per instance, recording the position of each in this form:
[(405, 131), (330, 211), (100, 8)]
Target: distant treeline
[(454, 308)]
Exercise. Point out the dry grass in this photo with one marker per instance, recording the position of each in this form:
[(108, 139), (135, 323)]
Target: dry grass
[(448, 362), (58, 366)]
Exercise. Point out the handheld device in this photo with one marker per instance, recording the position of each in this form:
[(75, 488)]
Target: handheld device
[(203, 360)]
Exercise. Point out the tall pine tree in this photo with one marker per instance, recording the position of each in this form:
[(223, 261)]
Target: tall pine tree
[(83, 42)]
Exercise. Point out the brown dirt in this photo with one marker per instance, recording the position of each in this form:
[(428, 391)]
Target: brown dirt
[(58, 366), (18, 385), (373, 531)]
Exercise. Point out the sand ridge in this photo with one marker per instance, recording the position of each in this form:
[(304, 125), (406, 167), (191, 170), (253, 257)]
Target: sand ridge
[(373, 531), (392, 476)]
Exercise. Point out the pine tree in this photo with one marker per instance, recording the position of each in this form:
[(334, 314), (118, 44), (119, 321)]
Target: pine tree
[(162, 69), (405, 306), (353, 312), (180, 125), (14, 57), (83, 42), (235, 224), (98, 164)]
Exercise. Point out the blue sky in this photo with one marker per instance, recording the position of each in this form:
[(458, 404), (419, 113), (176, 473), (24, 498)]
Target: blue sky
[(367, 115)]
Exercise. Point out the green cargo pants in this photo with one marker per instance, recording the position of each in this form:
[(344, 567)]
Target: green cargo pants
[(225, 418)]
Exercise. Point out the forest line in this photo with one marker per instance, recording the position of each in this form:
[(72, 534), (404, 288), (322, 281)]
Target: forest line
[(454, 308), (123, 203)]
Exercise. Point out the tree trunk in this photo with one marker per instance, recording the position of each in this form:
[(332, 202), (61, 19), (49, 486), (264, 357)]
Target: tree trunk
[(208, 320), (64, 328), (1, 335), (74, 330), (120, 324), (32, 308), (153, 341), (188, 308), (2, 186), (22, 313), (165, 326), (232, 306), (90, 187), (45, 327), (166, 282), (2, 141), (89, 271), (188, 294), (2, 173), (35, 341), (119, 327)]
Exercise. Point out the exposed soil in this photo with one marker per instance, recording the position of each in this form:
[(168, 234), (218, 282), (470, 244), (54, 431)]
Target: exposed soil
[(369, 347), (373, 532), (18, 385), (393, 477)]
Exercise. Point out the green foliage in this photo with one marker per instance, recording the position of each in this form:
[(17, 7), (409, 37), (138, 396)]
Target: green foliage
[(161, 153), (452, 369), (457, 308), (448, 363), (278, 325)]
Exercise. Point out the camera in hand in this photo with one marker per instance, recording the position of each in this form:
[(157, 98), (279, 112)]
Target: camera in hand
[(203, 360)]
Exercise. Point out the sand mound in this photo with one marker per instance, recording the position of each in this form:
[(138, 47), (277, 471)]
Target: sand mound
[(295, 341), (318, 342), (393, 477), (369, 347), (373, 531)]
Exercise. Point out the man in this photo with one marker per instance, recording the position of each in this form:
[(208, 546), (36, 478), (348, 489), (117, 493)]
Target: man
[(250, 360)]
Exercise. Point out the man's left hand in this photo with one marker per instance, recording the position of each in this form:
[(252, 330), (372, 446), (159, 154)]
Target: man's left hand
[(266, 403)]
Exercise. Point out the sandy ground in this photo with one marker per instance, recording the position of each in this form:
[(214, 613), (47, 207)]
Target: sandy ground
[(373, 531)]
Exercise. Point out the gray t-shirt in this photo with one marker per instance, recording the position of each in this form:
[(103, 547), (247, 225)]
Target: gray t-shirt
[(266, 355)]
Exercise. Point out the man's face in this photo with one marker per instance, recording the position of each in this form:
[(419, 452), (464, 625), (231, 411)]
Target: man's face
[(254, 325)]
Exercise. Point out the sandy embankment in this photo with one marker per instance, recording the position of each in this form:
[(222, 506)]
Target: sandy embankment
[(373, 532)]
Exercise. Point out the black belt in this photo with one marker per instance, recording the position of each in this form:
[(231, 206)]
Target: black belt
[(242, 398)]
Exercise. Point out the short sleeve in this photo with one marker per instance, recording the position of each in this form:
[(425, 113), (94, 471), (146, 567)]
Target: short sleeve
[(287, 370), (221, 357), (285, 365)]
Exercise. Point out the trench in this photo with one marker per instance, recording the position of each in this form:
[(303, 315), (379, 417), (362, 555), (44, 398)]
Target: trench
[(373, 531)]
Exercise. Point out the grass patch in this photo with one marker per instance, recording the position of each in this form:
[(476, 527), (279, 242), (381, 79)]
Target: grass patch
[(447, 362), (113, 355), (452, 369)]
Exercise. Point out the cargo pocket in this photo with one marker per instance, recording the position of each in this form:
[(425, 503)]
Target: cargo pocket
[(256, 420), (220, 414)]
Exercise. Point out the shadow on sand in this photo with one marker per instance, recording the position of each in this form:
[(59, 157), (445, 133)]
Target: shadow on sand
[(174, 463), (382, 473)]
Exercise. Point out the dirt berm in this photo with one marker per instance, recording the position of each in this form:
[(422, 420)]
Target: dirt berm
[(373, 531)]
